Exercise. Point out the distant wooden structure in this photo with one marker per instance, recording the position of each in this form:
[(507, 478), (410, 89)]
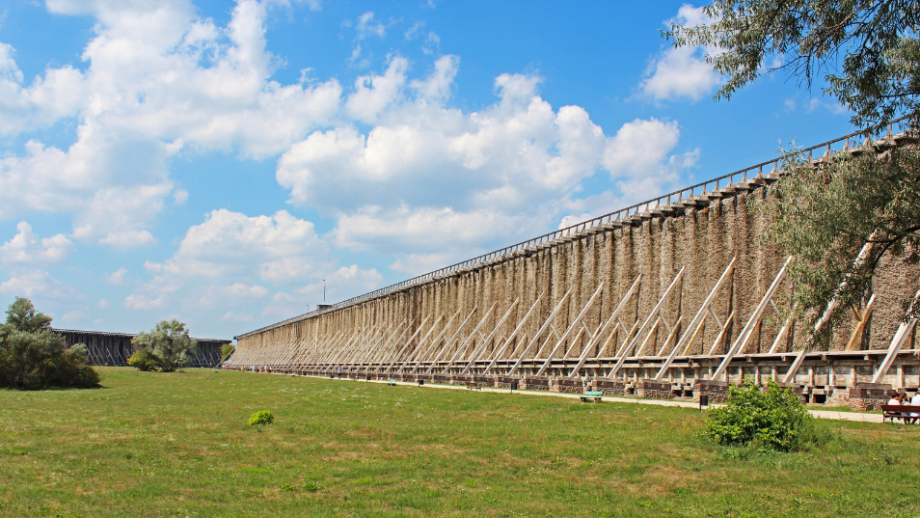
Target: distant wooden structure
[(115, 348)]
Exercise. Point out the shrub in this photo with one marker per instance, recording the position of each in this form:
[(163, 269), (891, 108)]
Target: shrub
[(168, 344), (774, 417), (226, 350), (262, 417), (32, 356), (144, 360)]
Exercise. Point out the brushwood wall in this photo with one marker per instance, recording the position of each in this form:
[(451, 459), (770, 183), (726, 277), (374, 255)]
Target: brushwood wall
[(701, 240)]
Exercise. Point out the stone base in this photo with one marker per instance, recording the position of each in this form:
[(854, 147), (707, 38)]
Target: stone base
[(716, 390), (460, 380), (505, 381), (420, 377), (534, 383), (654, 389), (869, 396), (440, 378), (610, 387), (567, 385)]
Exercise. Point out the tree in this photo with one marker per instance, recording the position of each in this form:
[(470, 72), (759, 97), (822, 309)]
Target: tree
[(166, 348), (878, 79), (226, 350), (826, 213), (32, 356)]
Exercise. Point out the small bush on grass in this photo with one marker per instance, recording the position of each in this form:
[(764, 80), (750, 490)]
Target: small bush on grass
[(774, 417), (144, 360), (263, 417)]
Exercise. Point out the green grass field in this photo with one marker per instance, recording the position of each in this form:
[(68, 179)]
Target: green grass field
[(179, 445)]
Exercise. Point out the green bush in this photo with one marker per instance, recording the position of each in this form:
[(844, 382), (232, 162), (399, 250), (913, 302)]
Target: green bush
[(226, 350), (32, 356), (167, 348), (262, 417), (144, 360), (774, 417)]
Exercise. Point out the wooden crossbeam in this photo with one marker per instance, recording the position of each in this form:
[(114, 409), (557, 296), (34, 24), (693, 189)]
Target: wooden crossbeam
[(897, 341), (857, 335), (482, 344), (450, 342), (472, 336), (539, 333), (748, 329), (397, 352), (627, 349), (499, 351), (571, 328)]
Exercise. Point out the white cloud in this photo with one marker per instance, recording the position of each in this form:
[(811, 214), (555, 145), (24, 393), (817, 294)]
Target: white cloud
[(103, 304), (413, 32), (73, 317), (38, 283), (142, 302), (118, 277), (180, 196), (428, 179), (374, 93), (26, 248), (275, 248), (159, 80), (683, 72)]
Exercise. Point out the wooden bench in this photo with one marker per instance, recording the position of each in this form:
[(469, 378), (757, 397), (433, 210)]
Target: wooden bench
[(472, 385), (895, 412), (594, 395)]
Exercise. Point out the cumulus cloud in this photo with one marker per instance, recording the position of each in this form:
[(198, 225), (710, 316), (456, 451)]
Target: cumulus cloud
[(281, 250), (26, 248), (277, 248), (682, 72), (429, 181), (32, 282), (118, 277), (159, 80)]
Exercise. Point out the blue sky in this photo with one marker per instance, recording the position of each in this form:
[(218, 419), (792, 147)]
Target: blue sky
[(215, 161)]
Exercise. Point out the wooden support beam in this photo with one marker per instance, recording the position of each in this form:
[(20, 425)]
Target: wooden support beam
[(539, 333), (627, 349), (857, 335), (450, 342), (721, 337), (472, 336), (421, 354), (828, 311), (748, 329), (897, 341), (499, 351), (481, 346), (390, 360), (571, 328)]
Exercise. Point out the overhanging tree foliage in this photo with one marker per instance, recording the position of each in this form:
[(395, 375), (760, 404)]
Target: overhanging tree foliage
[(32, 356), (878, 78), (824, 214), (167, 348)]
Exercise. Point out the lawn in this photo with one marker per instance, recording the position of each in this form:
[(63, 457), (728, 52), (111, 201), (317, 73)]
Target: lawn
[(180, 445)]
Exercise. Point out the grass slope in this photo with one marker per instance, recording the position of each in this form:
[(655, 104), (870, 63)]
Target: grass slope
[(179, 445)]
